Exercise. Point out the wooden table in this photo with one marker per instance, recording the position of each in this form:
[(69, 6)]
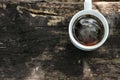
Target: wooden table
[(35, 45)]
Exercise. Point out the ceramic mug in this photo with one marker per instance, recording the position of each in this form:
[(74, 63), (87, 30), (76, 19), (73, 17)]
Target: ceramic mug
[(79, 17)]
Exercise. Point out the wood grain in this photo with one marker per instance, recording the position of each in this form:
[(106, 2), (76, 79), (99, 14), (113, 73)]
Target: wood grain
[(35, 45)]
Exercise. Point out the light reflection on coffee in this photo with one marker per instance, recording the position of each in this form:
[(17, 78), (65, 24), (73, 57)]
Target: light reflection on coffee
[(88, 30)]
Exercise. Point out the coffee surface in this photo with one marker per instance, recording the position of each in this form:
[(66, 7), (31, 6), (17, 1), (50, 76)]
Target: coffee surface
[(88, 30)]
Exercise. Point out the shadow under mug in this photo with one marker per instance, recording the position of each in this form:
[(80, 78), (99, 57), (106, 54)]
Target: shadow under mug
[(101, 19)]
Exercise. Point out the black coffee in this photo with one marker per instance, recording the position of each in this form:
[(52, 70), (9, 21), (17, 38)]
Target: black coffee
[(88, 30)]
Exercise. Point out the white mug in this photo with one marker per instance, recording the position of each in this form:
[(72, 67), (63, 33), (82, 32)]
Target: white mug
[(88, 11)]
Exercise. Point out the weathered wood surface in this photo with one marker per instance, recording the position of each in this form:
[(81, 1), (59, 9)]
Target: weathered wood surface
[(34, 43)]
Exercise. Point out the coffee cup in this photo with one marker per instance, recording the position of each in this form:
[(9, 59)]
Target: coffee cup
[(88, 29)]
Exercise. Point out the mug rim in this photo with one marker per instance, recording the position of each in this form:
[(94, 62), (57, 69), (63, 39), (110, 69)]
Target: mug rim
[(100, 17)]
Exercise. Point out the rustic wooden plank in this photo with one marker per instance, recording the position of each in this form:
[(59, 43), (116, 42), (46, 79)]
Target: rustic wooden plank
[(34, 43)]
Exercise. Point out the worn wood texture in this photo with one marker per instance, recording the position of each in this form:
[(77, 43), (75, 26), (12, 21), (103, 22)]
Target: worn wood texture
[(35, 45)]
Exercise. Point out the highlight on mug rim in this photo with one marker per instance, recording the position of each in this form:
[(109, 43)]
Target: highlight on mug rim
[(100, 17)]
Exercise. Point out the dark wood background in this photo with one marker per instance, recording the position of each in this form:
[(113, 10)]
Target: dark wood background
[(35, 45)]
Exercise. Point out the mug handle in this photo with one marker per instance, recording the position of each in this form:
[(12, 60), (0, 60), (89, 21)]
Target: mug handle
[(88, 5)]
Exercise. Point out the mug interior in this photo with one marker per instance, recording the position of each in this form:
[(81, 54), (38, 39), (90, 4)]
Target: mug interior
[(88, 30)]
